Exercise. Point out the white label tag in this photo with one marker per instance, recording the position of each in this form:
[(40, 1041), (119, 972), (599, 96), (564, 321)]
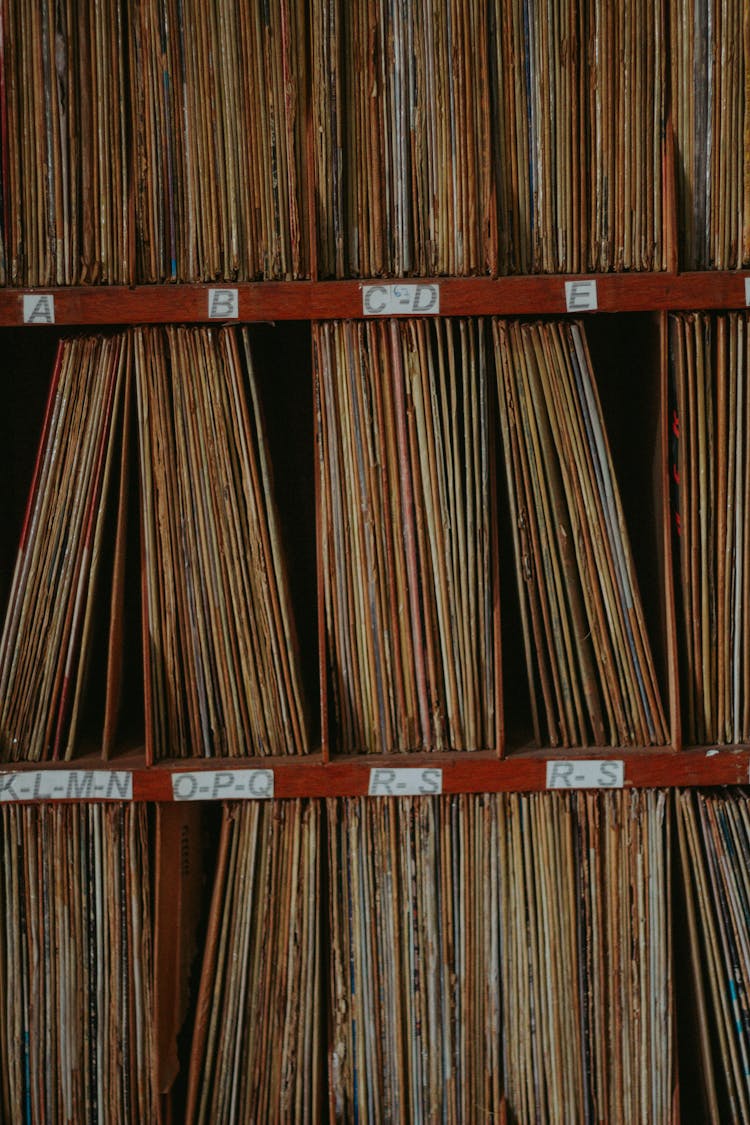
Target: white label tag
[(223, 304), (390, 300), (747, 290), (223, 785), (580, 296), (38, 308), (397, 782), (605, 774), (66, 785)]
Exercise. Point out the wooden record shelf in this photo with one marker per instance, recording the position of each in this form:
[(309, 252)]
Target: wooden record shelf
[(323, 300), (351, 776), (523, 769)]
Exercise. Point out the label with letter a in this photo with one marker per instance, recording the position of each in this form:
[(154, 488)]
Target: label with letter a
[(38, 308), (392, 300), (66, 785), (606, 774), (581, 296), (223, 785), (397, 782)]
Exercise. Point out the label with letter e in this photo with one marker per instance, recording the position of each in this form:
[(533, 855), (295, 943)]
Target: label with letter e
[(606, 774), (66, 785), (580, 296), (223, 785), (409, 782), (406, 300)]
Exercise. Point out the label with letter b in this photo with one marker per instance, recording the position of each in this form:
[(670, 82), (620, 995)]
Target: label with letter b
[(606, 774), (223, 304)]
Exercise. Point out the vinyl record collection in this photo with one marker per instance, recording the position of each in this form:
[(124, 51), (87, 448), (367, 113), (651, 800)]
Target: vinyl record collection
[(63, 113), (710, 360), (588, 657), (415, 940), (500, 948), (76, 978), (216, 91), (586, 969), (220, 659), (168, 138), (47, 636), (257, 1049), (222, 666), (408, 559), (463, 138), (473, 956), (710, 72), (714, 841)]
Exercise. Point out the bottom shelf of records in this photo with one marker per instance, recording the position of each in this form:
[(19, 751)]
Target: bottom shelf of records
[(502, 957)]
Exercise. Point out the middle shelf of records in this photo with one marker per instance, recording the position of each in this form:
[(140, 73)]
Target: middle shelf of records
[(480, 542), (576, 956)]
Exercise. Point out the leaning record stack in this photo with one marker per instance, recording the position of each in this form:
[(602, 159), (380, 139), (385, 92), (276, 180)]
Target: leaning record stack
[(590, 669), (709, 364), (408, 553)]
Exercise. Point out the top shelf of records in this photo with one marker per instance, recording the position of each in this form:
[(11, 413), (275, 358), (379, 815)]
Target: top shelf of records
[(325, 300), (149, 143)]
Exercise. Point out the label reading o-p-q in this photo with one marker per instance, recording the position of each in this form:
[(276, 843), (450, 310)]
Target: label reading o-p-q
[(223, 785)]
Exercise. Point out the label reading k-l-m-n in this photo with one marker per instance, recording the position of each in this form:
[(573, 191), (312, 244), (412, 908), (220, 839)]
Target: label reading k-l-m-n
[(66, 785)]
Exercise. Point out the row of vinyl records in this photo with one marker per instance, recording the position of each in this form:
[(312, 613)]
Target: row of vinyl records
[(156, 140), (427, 432), (464, 959)]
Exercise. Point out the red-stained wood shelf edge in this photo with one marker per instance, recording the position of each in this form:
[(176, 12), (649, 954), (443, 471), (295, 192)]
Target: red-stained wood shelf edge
[(322, 300), (462, 772)]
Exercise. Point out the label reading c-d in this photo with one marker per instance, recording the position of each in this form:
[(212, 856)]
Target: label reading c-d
[(400, 299)]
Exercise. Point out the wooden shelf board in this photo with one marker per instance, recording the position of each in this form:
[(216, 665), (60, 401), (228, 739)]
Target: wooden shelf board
[(322, 300), (462, 772)]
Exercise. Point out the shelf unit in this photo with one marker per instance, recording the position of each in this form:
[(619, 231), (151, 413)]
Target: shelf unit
[(320, 775), (179, 807)]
